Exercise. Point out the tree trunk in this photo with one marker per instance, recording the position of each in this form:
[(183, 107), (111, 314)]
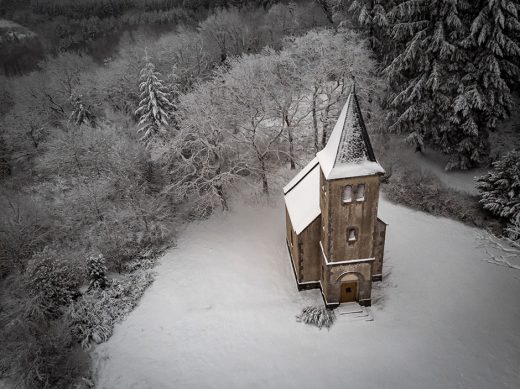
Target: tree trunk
[(291, 142), (315, 119), (325, 125), (263, 175), (220, 192)]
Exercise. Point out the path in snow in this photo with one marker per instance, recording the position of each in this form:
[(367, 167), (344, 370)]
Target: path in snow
[(221, 314)]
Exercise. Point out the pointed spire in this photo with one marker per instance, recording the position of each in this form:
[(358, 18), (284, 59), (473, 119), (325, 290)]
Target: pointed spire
[(348, 152)]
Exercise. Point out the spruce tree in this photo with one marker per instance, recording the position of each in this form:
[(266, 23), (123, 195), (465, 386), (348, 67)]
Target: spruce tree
[(500, 190), (492, 55), (438, 101), (371, 16), (154, 106)]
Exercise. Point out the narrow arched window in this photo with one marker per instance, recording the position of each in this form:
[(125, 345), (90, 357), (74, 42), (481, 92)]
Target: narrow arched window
[(360, 192), (347, 194), (351, 235)]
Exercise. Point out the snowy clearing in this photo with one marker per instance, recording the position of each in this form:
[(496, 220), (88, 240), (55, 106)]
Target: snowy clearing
[(221, 314), (460, 180)]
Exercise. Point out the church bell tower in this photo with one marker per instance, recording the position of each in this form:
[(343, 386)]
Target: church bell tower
[(349, 196)]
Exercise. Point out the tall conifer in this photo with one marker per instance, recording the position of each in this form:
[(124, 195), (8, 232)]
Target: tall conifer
[(154, 106)]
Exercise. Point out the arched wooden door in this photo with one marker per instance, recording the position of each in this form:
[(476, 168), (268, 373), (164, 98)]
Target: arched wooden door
[(348, 291)]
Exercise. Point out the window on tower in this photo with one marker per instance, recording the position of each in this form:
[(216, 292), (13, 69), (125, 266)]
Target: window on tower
[(347, 194), (360, 192), (351, 235)]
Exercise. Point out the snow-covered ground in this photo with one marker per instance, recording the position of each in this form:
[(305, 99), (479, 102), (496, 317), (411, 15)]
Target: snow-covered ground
[(461, 180), (221, 314)]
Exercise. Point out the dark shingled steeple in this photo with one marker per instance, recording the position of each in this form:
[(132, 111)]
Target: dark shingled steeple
[(348, 152)]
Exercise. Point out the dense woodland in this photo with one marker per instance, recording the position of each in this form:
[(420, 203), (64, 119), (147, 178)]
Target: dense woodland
[(141, 115)]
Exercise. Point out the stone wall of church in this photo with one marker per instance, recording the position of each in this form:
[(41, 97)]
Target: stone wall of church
[(379, 250), (292, 244), (310, 252), (335, 275)]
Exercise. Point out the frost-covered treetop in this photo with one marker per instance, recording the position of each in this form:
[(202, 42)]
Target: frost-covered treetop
[(348, 152)]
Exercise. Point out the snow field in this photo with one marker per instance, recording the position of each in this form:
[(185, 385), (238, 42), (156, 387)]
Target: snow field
[(221, 314)]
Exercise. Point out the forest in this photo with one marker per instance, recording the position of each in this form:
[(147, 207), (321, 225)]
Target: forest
[(122, 120)]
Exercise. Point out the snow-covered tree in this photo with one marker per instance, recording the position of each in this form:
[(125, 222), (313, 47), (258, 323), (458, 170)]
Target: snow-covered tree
[(247, 104), (370, 16), (500, 190), (491, 69), (327, 62), (427, 75), (453, 73), (154, 106), (97, 271)]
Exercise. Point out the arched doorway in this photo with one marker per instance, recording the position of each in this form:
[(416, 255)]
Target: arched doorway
[(348, 288)]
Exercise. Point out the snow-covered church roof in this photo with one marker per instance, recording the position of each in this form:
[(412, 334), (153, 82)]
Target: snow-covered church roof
[(302, 196), (348, 152)]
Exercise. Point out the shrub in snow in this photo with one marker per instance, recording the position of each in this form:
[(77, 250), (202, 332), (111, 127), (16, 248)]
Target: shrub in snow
[(42, 354), (318, 316), (97, 270), (53, 278), (500, 191), (94, 315), (37, 350)]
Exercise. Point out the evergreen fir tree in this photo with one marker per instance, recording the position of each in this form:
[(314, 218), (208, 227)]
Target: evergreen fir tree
[(154, 106), (484, 91), (97, 269), (371, 16), (427, 74), (500, 189)]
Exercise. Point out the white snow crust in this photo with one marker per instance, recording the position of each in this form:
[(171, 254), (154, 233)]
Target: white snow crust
[(360, 169), (303, 200), (221, 314), (300, 175)]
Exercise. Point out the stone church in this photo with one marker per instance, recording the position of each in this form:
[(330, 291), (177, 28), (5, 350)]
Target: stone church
[(334, 236)]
